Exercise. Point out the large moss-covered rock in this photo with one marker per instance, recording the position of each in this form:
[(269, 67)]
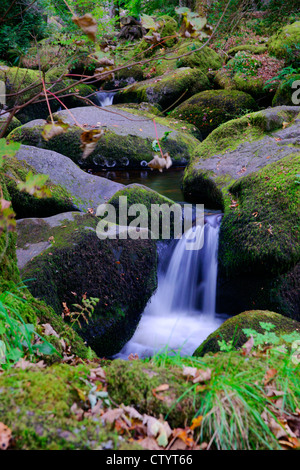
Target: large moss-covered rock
[(41, 416), (253, 48), (84, 190), (259, 246), (12, 125), (249, 72), (18, 79), (286, 42), (127, 142), (237, 148), (208, 109), (139, 194), (16, 298), (285, 93), (231, 331), (168, 89), (206, 59), (73, 262), (26, 205)]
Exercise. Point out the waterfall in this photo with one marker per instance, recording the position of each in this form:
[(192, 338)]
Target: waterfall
[(181, 314), (105, 98)]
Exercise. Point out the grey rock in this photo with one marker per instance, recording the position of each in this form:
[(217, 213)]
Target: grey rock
[(87, 191)]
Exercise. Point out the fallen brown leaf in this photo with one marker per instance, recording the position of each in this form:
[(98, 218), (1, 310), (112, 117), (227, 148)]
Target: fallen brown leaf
[(88, 24), (5, 436)]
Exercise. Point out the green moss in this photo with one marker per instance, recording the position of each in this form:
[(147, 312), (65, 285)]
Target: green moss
[(232, 329), (137, 194), (199, 188), (20, 300), (206, 59), (261, 235), (36, 405), (251, 127), (12, 125), (18, 79), (208, 109), (248, 48), (166, 92), (133, 382), (285, 43), (169, 28), (26, 205), (120, 273), (284, 92), (134, 149)]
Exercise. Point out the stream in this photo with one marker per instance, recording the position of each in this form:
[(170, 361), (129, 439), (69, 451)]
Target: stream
[(181, 313)]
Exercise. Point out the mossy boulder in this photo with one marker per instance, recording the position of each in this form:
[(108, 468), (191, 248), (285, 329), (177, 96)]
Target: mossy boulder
[(237, 148), (206, 59), (208, 109), (66, 261), (18, 79), (133, 382), (168, 28), (285, 44), (17, 298), (139, 194), (45, 55), (285, 91), (40, 415), (253, 48), (127, 142), (84, 191), (259, 241), (26, 205), (168, 89), (231, 331), (12, 125), (249, 72)]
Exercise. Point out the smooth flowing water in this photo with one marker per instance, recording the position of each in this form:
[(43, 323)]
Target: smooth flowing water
[(181, 314), (105, 98)]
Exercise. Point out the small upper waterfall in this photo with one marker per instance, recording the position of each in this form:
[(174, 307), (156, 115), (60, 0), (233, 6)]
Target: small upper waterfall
[(105, 98), (181, 314)]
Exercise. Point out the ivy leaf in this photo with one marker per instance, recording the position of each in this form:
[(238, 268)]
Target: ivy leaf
[(8, 149), (35, 185), (155, 146), (89, 140), (192, 25), (88, 24), (148, 22), (165, 136), (45, 348), (51, 130)]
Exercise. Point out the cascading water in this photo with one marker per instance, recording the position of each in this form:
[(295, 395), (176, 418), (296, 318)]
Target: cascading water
[(105, 98), (181, 314)]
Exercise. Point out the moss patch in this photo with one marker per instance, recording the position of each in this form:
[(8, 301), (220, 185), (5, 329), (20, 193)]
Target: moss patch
[(208, 109), (26, 205), (38, 410), (171, 87), (285, 43), (232, 329), (267, 241), (112, 150)]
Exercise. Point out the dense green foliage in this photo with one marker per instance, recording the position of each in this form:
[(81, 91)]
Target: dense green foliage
[(19, 26)]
